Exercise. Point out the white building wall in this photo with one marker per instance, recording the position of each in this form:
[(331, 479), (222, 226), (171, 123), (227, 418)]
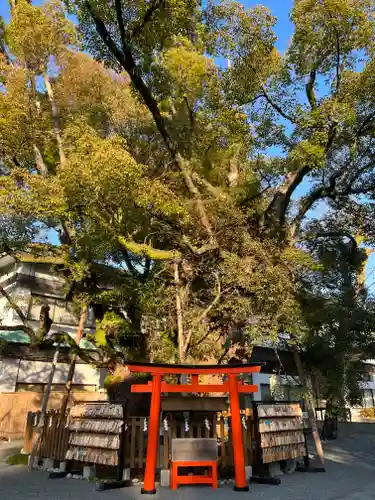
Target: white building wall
[(265, 379), (8, 374), (37, 372), (13, 371)]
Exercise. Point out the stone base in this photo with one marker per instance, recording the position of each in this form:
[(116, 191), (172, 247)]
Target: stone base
[(291, 464), (48, 463), (88, 471), (248, 472), (148, 492), (274, 469), (241, 488), (62, 466), (165, 478)]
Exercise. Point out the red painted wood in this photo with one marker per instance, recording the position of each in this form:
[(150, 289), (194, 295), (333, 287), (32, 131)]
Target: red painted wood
[(238, 452), (176, 479), (247, 388), (165, 387), (153, 435), (176, 370)]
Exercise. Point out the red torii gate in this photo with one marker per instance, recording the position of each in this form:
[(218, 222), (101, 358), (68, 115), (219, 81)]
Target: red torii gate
[(157, 386)]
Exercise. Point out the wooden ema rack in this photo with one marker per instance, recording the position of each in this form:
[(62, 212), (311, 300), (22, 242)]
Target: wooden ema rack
[(279, 434)]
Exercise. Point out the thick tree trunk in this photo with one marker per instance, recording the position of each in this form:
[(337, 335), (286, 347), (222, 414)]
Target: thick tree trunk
[(329, 430), (69, 378), (40, 427), (55, 118), (179, 314), (309, 405)]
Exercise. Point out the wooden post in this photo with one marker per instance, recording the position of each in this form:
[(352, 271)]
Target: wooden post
[(238, 451), (28, 441), (153, 437), (166, 450)]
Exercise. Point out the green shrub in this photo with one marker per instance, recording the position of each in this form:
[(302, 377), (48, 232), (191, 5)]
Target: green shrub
[(18, 459)]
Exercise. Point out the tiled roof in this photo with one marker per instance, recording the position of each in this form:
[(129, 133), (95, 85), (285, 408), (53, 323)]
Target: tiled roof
[(20, 337), (16, 336)]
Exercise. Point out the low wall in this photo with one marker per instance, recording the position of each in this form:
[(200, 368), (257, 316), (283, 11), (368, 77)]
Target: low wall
[(347, 428), (15, 406)]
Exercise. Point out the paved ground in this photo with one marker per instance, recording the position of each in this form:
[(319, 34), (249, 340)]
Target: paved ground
[(350, 476)]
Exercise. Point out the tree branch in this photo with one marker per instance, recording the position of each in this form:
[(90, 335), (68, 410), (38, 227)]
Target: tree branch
[(277, 107), (338, 62), (191, 115), (62, 337), (280, 201), (28, 330), (310, 92), (13, 304), (40, 166), (202, 316), (154, 5), (125, 59), (215, 191), (207, 247), (120, 22), (366, 125), (145, 250), (128, 261), (147, 268), (333, 234), (305, 205), (55, 118), (270, 101)]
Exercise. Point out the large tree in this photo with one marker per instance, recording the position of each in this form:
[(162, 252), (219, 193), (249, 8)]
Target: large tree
[(159, 160)]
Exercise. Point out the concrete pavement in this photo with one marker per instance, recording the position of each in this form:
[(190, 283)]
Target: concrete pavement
[(350, 476)]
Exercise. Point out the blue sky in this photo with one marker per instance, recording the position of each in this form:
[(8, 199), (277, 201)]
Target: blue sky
[(284, 29)]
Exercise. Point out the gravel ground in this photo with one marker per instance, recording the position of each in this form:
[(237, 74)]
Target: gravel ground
[(350, 475)]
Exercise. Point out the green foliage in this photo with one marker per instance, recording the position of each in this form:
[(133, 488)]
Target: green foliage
[(367, 413), (340, 338), (323, 26), (112, 325), (112, 380), (35, 34), (18, 459)]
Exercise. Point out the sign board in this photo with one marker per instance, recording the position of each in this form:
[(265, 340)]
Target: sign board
[(191, 449)]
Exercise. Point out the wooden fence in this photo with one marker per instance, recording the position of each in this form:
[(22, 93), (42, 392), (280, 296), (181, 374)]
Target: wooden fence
[(56, 434), (15, 406)]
